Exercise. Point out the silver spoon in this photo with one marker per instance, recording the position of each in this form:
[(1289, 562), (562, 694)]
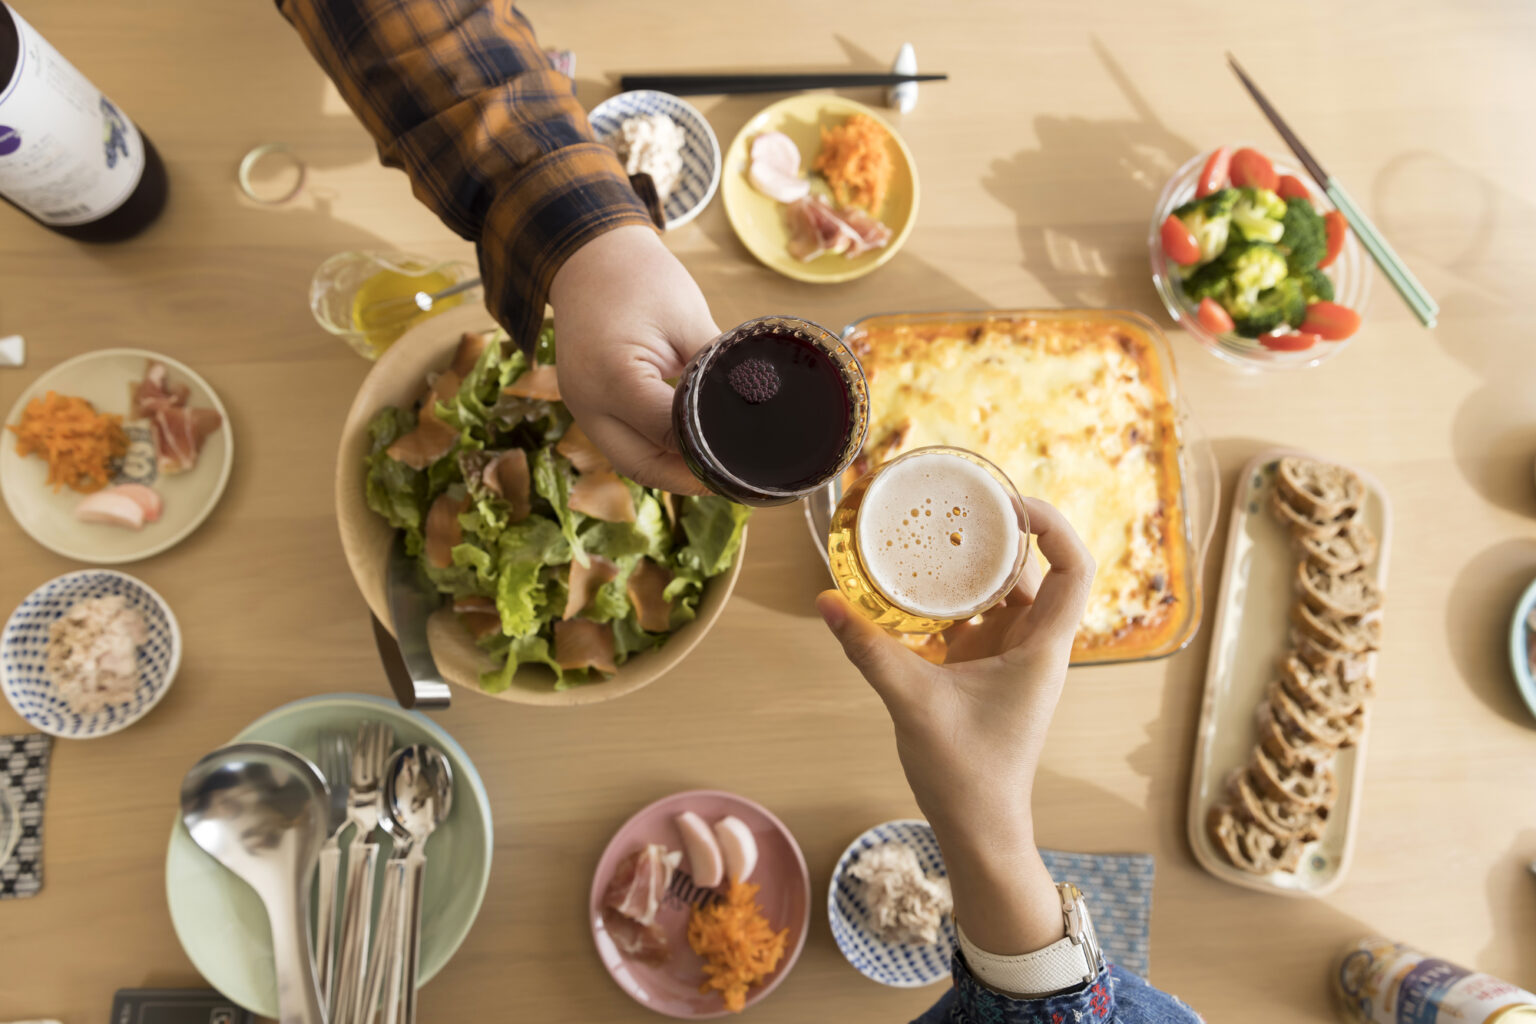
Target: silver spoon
[(419, 302), (260, 810), (418, 796)]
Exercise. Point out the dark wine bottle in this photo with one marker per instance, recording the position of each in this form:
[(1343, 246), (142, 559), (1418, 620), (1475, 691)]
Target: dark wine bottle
[(69, 158)]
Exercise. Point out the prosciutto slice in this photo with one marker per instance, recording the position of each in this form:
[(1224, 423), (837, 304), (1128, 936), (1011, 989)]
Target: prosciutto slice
[(646, 585), (816, 228), (479, 616), (179, 430), (584, 455), (536, 382), (582, 643), (637, 885), (584, 581), (507, 477), (603, 496), (646, 943)]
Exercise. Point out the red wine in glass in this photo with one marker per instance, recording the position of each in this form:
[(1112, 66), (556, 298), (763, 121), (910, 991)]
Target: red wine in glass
[(771, 410)]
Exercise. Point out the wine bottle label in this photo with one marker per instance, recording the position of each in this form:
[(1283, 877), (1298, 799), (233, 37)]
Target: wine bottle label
[(67, 154)]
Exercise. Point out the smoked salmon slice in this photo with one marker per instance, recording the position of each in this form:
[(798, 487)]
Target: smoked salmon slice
[(537, 382), (582, 643), (507, 477), (603, 496), (646, 585), (584, 455), (584, 581), (443, 530)]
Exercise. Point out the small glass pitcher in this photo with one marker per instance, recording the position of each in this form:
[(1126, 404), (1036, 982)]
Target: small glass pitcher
[(366, 297)]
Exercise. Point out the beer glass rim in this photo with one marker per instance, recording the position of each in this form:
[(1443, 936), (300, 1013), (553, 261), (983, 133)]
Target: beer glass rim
[(996, 472), (824, 339)]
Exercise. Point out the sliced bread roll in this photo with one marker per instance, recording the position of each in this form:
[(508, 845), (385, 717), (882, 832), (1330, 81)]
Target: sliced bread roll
[(1350, 596), (1290, 747), (1315, 726), (1343, 552), (1248, 845), (1348, 666), (1318, 489), (1305, 785), (1333, 634), (1327, 693), (1304, 526), (1280, 818)]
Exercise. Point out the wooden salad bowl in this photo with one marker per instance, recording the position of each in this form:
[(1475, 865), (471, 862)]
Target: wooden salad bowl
[(397, 379)]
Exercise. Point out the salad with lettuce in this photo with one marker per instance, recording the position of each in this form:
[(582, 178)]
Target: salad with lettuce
[(549, 556)]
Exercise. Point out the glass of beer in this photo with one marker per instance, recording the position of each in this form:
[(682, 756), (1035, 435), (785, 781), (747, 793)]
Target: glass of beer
[(771, 410), (929, 539)]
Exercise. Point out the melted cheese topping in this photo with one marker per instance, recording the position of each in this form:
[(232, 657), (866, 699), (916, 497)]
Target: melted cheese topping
[(1074, 413)]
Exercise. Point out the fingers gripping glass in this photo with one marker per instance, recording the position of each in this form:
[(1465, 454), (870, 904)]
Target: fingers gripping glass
[(929, 539)]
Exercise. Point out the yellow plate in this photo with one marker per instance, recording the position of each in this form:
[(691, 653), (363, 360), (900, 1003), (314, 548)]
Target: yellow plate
[(759, 221)]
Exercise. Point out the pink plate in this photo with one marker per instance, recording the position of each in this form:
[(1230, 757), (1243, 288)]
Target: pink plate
[(785, 896)]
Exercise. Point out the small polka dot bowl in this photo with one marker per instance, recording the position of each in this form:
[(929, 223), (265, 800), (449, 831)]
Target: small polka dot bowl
[(898, 964), (700, 176), (24, 649)]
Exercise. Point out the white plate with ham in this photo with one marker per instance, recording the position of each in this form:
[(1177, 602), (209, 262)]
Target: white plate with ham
[(178, 460), (683, 852)]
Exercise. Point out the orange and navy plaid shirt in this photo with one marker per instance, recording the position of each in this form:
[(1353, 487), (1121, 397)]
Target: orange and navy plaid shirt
[(460, 94)]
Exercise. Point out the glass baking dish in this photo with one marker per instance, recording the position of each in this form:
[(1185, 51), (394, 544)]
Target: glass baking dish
[(1199, 483)]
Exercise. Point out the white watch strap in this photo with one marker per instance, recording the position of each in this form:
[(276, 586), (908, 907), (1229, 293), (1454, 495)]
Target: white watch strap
[(1061, 965)]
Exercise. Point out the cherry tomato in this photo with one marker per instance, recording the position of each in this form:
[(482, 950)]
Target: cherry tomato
[(1213, 318), (1213, 176), (1179, 242), (1252, 169), (1296, 342), (1331, 321), (1337, 227), (1292, 188)]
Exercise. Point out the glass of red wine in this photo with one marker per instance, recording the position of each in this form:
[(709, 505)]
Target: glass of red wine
[(771, 410)]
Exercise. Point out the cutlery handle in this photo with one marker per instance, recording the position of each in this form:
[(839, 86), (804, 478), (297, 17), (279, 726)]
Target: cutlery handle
[(298, 996), (357, 910), (325, 918), (383, 986), (416, 869)]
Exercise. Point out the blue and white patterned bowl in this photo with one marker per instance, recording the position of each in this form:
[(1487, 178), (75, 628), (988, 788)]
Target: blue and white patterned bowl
[(701, 152), (24, 648), (900, 964)]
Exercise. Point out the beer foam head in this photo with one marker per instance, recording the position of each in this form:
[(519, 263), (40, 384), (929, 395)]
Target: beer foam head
[(938, 535)]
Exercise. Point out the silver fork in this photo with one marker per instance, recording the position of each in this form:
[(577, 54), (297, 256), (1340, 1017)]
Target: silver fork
[(336, 766), (375, 740)]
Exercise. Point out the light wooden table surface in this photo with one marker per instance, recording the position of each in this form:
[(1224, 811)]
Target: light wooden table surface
[(1039, 162)]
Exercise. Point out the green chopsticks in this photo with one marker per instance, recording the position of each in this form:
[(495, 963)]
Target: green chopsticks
[(1423, 305)]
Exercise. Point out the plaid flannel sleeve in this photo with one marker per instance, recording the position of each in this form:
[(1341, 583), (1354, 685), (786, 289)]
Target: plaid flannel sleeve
[(460, 95)]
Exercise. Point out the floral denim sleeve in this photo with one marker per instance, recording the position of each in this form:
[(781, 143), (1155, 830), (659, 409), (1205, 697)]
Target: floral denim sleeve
[(1116, 996)]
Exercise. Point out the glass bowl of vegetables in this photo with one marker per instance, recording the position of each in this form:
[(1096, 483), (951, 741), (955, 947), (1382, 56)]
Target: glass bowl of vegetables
[(1252, 259)]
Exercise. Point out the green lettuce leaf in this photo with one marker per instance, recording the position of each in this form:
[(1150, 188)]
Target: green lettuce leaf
[(714, 527), (392, 489), (552, 479), (648, 535), (520, 598), (525, 650), (536, 540), (629, 638)]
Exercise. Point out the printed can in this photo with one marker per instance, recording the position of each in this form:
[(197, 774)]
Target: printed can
[(1380, 982)]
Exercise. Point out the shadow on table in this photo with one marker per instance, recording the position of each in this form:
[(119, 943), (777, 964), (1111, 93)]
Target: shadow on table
[(1085, 244), (1479, 265), (1478, 613), (1511, 954)]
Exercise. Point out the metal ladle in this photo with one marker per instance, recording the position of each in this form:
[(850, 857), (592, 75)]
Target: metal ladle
[(418, 796), (260, 810)]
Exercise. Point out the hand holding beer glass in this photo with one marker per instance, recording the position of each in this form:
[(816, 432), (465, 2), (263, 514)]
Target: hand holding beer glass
[(969, 732)]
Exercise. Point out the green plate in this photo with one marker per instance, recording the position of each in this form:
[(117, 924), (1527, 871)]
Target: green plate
[(223, 926)]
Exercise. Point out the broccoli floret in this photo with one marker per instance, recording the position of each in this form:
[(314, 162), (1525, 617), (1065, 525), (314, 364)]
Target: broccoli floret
[(1209, 219), (1252, 267), (1206, 281), (1305, 239), (1257, 215), (1282, 304), (1316, 286)]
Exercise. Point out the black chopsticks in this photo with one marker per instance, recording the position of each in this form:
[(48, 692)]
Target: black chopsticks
[(711, 84), (1397, 272)]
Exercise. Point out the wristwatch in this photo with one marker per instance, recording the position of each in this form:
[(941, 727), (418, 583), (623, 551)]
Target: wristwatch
[(1064, 964), (1074, 912)]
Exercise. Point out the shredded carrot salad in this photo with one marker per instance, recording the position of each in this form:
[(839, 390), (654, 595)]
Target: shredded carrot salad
[(856, 161), (78, 442), (739, 946)]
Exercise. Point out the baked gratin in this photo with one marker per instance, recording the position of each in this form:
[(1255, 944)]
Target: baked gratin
[(1076, 410)]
